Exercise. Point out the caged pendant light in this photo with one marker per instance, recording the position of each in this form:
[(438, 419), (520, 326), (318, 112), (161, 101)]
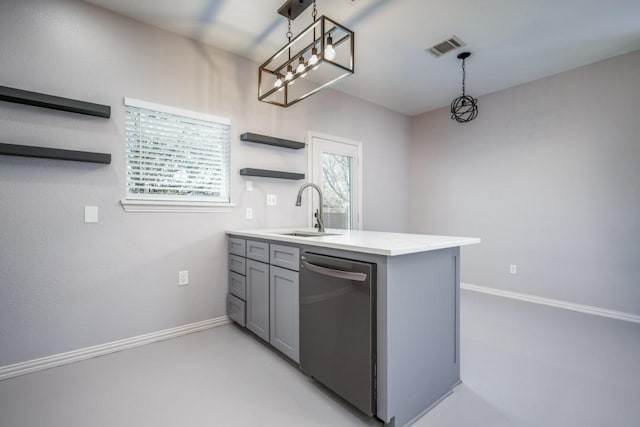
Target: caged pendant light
[(321, 55), (464, 108)]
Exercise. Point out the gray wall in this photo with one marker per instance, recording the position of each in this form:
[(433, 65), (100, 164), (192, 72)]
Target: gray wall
[(548, 176), (65, 284)]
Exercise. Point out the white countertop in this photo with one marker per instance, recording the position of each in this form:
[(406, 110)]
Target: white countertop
[(372, 242)]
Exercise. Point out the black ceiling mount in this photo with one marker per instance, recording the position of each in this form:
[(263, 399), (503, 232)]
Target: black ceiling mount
[(464, 55), (293, 8)]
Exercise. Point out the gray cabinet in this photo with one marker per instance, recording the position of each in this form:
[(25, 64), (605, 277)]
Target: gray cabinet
[(264, 292), (284, 312), (257, 292)]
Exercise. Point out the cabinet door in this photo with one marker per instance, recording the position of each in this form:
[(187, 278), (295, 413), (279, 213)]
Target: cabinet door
[(285, 313), (257, 293)]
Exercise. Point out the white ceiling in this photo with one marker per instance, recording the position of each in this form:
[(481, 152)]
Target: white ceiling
[(512, 41)]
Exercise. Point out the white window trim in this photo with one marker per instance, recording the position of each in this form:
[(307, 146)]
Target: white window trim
[(140, 204)]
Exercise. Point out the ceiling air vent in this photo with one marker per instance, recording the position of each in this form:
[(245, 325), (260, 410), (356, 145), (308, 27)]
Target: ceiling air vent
[(445, 46)]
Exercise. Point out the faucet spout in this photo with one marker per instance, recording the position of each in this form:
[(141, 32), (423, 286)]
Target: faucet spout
[(318, 215)]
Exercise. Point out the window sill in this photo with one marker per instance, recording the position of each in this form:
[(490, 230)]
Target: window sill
[(130, 205)]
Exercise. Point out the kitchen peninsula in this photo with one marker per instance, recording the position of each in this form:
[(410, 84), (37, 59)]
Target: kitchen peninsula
[(373, 316)]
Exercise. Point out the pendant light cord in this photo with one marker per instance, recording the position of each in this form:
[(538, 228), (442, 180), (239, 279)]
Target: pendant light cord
[(313, 18), (289, 34), (463, 76)]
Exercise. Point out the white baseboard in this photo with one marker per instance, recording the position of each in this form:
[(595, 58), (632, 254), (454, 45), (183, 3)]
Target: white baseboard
[(580, 308), (60, 359)]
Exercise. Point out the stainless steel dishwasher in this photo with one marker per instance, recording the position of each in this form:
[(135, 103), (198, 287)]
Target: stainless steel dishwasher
[(337, 326)]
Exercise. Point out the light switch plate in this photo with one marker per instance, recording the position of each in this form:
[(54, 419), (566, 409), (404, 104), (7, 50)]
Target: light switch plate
[(272, 200), (249, 213), (90, 214)]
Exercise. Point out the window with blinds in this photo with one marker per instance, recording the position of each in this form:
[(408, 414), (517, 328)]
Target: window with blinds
[(176, 155)]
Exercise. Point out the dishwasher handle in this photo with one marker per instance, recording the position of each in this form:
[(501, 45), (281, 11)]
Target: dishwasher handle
[(339, 274)]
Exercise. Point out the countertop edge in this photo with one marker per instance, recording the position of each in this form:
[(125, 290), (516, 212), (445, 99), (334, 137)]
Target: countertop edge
[(321, 242)]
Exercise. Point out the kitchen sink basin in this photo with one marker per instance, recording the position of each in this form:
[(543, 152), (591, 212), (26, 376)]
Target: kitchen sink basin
[(308, 234)]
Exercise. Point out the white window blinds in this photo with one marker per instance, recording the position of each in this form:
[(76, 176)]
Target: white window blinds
[(174, 154)]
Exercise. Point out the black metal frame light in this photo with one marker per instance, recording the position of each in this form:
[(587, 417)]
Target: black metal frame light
[(464, 108), (332, 46)]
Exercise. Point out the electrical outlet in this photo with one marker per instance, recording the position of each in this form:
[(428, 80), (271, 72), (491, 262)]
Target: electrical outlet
[(513, 269), (272, 200), (249, 213), (90, 214), (249, 185), (183, 278)]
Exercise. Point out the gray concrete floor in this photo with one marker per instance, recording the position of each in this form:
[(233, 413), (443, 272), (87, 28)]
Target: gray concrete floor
[(522, 365)]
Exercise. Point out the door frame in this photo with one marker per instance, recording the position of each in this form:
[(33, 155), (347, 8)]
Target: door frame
[(357, 174)]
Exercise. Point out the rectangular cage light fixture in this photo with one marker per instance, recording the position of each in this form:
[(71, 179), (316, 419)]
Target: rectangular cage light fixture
[(321, 55)]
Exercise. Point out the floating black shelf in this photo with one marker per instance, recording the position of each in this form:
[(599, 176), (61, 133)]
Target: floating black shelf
[(54, 153), (270, 140), (36, 99), (271, 174)]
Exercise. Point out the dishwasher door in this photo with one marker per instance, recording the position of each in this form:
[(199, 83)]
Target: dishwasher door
[(337, 326)]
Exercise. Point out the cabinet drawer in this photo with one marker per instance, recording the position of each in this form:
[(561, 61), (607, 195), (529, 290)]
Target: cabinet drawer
[(258, 251), (236, 309), (237, 285), (236, 246), (285, 256), (237, 264)]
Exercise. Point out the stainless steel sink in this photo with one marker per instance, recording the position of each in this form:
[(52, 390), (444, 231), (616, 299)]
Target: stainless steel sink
[(308, 234)]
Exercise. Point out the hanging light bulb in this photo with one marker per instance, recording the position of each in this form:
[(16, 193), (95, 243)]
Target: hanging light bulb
[(289, 76), (301, 65), (329, 51), (278, 81), (313, 60)]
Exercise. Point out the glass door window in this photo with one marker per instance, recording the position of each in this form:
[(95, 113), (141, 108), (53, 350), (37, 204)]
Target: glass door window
[(337, 187), (335, 167)]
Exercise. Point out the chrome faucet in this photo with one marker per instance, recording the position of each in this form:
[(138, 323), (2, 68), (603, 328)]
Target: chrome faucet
[(318, 213)]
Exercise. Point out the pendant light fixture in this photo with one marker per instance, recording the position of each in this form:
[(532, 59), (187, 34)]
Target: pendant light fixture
[(321, 55), (464, 108)]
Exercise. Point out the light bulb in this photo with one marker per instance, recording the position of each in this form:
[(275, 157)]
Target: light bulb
[(329, 51), (301, 65), (289, 74), (278, 81), (313, 60)]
